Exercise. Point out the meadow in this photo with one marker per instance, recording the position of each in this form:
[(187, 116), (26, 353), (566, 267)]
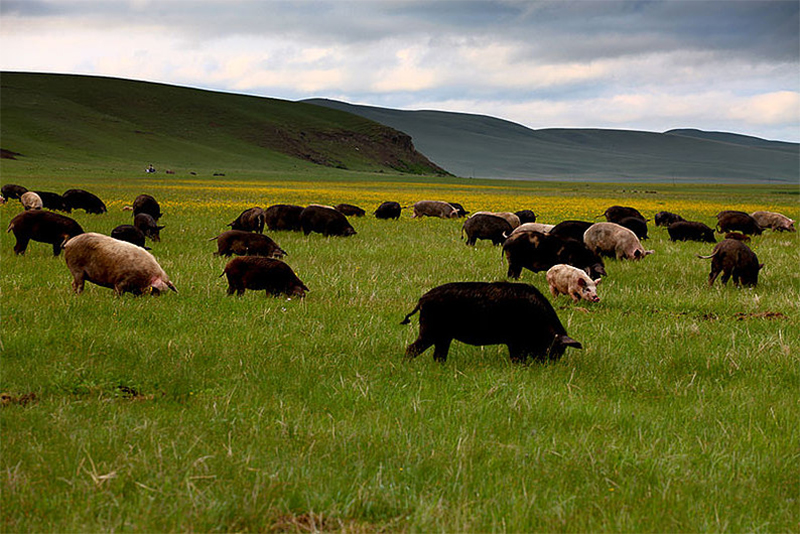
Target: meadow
[(200, 412)]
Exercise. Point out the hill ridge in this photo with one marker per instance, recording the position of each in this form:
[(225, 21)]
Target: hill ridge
[(488, 147)]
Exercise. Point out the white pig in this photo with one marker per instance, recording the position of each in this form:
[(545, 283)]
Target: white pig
[(569, 280)]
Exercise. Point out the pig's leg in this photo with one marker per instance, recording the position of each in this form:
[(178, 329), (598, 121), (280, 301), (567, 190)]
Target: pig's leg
[(441, 348), (418, 347)]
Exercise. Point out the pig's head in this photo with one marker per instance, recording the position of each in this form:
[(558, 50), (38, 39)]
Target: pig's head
[(588, 290), (158, 284)]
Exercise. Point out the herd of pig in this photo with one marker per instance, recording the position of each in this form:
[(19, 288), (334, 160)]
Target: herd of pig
[(477, 313)]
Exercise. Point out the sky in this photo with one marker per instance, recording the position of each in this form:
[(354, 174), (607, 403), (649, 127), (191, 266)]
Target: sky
[(720, 65)]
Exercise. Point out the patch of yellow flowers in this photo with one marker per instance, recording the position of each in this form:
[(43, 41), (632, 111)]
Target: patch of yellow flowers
[(551, 205)]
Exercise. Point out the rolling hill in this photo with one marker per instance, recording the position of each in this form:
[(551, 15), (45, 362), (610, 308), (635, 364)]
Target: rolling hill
[(486, 147), (85, 119)]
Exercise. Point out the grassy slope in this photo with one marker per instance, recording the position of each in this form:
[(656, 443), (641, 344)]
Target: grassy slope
[(197, 412), (481, 146), (60, 120)]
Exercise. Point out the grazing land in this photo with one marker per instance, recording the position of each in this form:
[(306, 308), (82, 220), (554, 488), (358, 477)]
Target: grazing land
[(200, 412)]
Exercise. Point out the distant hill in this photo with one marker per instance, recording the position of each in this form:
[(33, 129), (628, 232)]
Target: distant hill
[(85, 119), (485, 147)]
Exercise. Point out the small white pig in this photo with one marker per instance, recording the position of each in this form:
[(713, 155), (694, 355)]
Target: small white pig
[(569, 280)]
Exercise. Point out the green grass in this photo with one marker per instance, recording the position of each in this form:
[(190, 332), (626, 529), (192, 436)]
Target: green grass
[(200, 412)]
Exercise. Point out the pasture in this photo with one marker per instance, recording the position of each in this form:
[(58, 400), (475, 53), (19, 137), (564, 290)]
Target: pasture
[(200, 412)]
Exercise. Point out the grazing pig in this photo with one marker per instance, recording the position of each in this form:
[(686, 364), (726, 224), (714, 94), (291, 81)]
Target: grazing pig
[(250, 220), (737, 221), (733, 258), (147, 204), (635, 225), (119, 265), (617, 213), (283, 217), (614, 240), (461, 211), (349, 210), (525, 216), (481, 313), (44, 227), (434, 208), (325, 221), (146, 224), (10, 191), (53, 201), (129, 233), (31, 201), (691, 231), (512, 218), (486, 226), (533, 227), (388, 210), (244, 243), (665, 218), (571, 229), (78, 199), (536, 252), (569, 280), (776, 221), (737, 236), (257, 273)]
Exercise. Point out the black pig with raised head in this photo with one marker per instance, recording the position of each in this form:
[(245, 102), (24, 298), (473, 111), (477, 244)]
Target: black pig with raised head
[(497, 313)]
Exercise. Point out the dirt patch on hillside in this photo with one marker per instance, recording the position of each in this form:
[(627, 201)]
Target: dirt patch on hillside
[(7, 399), (8, 154)]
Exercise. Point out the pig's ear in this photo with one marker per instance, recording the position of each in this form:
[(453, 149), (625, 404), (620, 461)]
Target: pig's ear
[(648, 252), (581, 282), (597, 282), (760, 266)]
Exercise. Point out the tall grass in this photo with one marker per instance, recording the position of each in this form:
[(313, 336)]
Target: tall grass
[(197, 411)]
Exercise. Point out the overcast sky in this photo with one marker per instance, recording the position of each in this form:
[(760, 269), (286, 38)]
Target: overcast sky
[(646, 65)]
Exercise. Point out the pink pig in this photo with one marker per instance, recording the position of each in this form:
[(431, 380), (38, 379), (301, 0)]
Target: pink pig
[(569, 280)]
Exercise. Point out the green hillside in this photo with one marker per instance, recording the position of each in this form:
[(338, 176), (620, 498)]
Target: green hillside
[(486, 147), (81, 120)]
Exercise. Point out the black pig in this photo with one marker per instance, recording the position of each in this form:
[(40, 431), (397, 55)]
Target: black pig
[(78, 199), (257, 273), (147, 204), (733, 258), (388, 210), (44, 227), (129, 233), (485, 226), (244, 243), (283, 217), (481, 313), (691, 231), (250, 220), (146, 224), (325, 221)]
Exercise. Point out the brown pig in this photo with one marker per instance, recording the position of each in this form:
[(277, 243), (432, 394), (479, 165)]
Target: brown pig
[(568, 280), (115, 264)]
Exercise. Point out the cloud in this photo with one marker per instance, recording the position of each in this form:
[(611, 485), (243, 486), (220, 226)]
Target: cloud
[(633, 64)]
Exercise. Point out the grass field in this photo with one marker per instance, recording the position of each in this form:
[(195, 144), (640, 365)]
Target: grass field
[(200, 412)]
